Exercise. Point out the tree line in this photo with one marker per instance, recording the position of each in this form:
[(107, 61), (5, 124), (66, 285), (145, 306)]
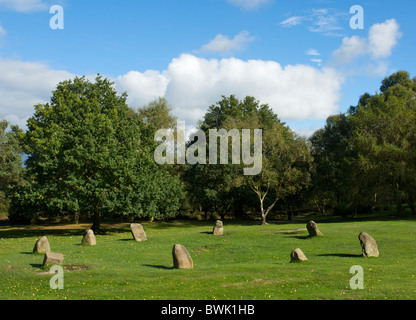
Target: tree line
[(90, 156)]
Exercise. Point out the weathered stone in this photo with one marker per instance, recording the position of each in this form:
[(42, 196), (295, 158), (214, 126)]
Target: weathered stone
[(368, 245), (313, 229), (181, 257), (42, 246), (298, 255), (53, 259), (218, 229), (89, 238), (138, 232)]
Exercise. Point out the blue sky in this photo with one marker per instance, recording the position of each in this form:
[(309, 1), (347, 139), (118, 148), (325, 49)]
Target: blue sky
[(301, 57)]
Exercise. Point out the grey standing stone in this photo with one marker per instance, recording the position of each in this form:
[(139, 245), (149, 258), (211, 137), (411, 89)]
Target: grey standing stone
[(181, 257), (368, 245), (42, 246), (298, 255), (218, 229), (138, 232), (53, 259), (313, 229), (89, 238)]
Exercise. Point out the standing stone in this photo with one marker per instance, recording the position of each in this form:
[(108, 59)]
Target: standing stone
[(53, 259), (313, 229), (298, 255), (138, 232), (181, 257), (89, 238), (42, 246), (368, 245), (218, 229)]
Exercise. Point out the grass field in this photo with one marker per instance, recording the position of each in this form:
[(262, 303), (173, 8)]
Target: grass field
[(249, 262)]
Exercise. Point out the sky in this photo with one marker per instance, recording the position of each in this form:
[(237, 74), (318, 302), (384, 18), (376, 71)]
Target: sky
[(306, 59)]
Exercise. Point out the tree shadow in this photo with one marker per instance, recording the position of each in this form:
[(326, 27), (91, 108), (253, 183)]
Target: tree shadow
[(158, 266), (341, 255), (301, 237)]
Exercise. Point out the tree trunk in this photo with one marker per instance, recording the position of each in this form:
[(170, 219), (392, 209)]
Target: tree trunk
[(96, 226), (411, 202), (76, 217)]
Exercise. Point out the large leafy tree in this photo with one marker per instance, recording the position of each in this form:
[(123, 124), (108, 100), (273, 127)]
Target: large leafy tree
[(333, 163), (385, 137), (11, 169), (88, 155), (285, 158), (286, 162)]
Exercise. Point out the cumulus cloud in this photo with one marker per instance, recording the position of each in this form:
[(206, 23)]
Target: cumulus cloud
[(294, 92), (383, 37), (24, 5), (191, 84), (142, 87), (224, 45), (381, 40), (25, 84)]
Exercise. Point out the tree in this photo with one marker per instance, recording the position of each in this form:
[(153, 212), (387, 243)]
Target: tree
[(333, 158), (285, 157), (158, 114), (385, 137), (286, 167), (88, 155), (11, 169)]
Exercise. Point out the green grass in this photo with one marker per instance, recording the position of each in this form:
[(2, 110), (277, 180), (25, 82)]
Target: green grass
[(249, 262)]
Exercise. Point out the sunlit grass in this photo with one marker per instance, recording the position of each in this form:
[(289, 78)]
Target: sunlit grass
[(249, 262)]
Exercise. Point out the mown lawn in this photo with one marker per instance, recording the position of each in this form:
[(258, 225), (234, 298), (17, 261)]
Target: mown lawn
[(250, 262)]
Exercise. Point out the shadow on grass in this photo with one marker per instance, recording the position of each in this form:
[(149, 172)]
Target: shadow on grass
[(158, 266), (301, 237), (341, 255)]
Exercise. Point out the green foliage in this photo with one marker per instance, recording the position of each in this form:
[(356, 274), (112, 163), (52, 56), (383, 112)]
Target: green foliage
[(385, 138), (88, 155), (285, 158), (367, 156), (11, 170)]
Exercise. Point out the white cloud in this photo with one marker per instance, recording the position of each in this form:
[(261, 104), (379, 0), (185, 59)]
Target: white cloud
[(382, 39), (224, 45), (190, 84), (249, 4), (291, 22), (25, 84), (294, 92), (325, 21), (312, 52), (350, 49), (24, 5), (142, 87)]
